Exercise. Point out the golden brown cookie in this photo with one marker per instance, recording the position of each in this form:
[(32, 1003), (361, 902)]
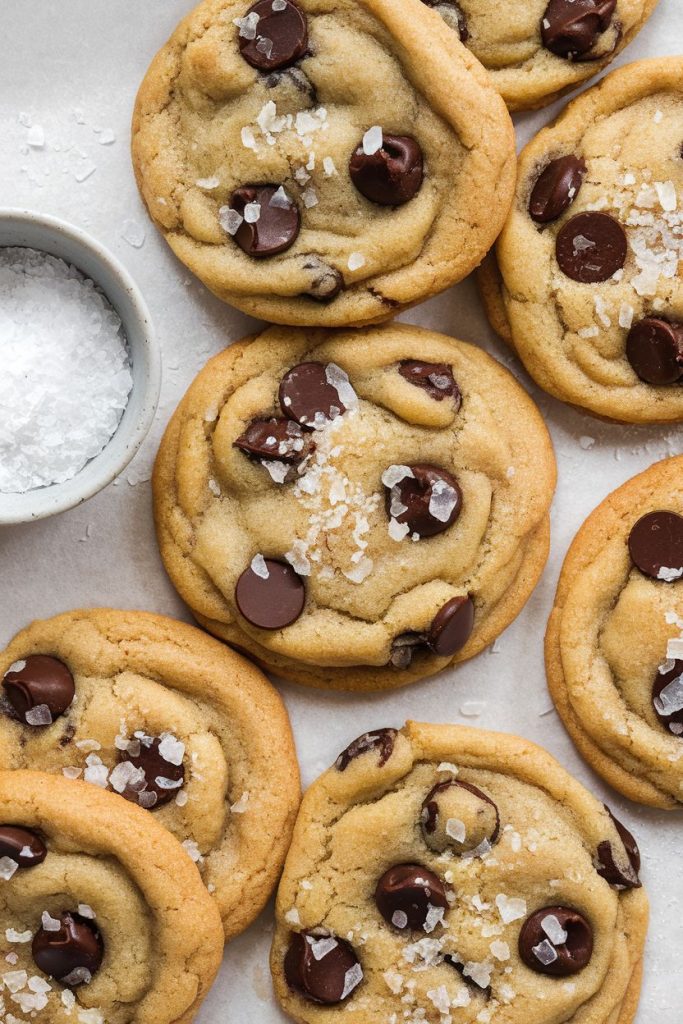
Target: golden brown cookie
[(174, 722), (442, 873), (535, 50), (357, 510), (322, 163), (588, 285), (103, 916), (614, 644)]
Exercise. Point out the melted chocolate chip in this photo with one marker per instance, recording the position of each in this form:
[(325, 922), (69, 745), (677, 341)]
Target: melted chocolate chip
[(320, 971), (406, 893), (667, 698), (435, 378), (453, 15), (451, 627), (74, 949), (570, 28), (281, 36), (381, 740), (556, 188), (162, 780), (392, 175), (557, 959), (656, 545), (326, 281), (272, 602), (404, 647), (38, 681), (308, 397), (294, 77), (460, 817), (277, 226), (591, 247), (620, 868), (428, 502), (654, 348), (22, 846), (275, 439)]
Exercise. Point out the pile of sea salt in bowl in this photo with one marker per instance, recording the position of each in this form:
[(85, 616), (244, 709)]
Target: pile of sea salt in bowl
[(65, 374)]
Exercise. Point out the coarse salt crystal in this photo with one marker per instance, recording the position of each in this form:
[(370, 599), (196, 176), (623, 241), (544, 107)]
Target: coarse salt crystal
[(500, 949), (320, 948), (192, 850), (456, 829), (352, 980), (554, 930), (14, 936), (510, 908), (50, 924), (240, 806), (247, 25), (372, 140), (356, 260), (259, 567), (85, 910), (280, 199), (39, 715), (329, 166), (399, 919), (171, 749), (545, 952), (668, 574), (252, 212), (66, 371), (208, 183)]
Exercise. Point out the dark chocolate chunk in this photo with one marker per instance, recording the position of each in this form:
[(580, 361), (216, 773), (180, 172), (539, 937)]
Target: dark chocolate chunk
[(544, 953), (322, 968), (281, 35), (654, 348), (591, 247), (38, 682), (272, 601), (407, 893), (277, 225), (656, 545), (556, 188), (392, 175)]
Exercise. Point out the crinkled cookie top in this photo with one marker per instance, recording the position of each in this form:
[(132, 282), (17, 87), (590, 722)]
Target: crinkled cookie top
[(450, 876), (322, 163), (351, 514), (536, 49), (615, 637), (591, 254), (158, 712), (103, 916)]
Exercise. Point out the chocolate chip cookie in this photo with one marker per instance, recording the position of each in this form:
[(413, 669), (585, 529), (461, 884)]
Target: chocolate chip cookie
[(322, 165), (169, 719), (614, 645), (440, 873), (357, 510), (103, 917), (589, 289), (534, 50)]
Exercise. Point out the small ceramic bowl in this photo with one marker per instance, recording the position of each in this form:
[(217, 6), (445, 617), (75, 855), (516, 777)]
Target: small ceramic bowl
[(48, 234)]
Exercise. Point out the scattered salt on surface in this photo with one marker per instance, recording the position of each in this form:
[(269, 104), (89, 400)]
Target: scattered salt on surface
[(66, 373)]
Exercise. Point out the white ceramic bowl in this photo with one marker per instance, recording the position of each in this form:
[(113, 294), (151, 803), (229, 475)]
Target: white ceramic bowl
[(23, 228)]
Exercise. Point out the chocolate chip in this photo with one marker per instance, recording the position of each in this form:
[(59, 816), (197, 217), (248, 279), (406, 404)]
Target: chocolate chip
[(620, 867), (459, 817), (320, 971), (277, 226), (294, 77), (150, 792), (275, 439), (392, 175), (667, 698), (406, 893), (451, 626), (654, 348), (39, 682), (428, 502), (326, 281), (558, 959), (435, 378), (453, 15), (570, 28), (73, 953), (22, 846), (656, 545), (281, 35), (381, 740), (271, 602), (556, 188), (308, 396), (591, 247), (404, 647)]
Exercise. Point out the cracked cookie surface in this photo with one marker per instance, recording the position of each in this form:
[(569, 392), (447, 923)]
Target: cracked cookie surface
[(589, 291), (535, 50), (614, 644), (323, 164), (446, 874), (354, 516), (156, 711), (103, 917)]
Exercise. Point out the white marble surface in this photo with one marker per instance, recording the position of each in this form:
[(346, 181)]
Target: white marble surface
[(73, 67)]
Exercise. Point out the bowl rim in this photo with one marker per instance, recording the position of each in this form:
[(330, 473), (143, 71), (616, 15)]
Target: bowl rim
[(59, 497)]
